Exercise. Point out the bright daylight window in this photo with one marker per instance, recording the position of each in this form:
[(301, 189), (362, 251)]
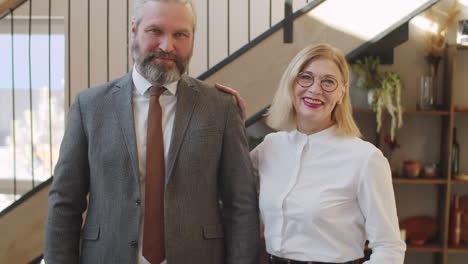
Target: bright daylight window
[(31, 101)]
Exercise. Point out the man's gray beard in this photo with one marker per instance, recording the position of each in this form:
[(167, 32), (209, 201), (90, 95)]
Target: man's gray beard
[(158, 72)]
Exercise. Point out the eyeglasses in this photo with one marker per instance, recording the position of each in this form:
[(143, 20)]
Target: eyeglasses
[(307, 79)]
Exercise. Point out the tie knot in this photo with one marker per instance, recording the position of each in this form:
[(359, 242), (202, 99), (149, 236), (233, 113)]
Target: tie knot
[(156, 91)]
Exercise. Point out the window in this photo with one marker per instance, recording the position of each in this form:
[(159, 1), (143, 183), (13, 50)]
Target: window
[(31, 101)]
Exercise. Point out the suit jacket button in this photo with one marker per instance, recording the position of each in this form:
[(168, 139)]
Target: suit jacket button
[(134, 244), (138, 201)]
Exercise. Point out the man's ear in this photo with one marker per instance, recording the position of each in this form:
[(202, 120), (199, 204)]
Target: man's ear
[(134, 29)]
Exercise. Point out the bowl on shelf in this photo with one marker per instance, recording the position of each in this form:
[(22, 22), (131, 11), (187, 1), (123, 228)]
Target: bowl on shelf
[(430, 171), (411, 168), (419, 229)]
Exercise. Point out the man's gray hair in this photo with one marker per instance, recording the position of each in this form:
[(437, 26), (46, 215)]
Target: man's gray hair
[(138, 9)]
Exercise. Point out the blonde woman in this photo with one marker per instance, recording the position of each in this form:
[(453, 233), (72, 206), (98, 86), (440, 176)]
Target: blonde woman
[(323, 190)]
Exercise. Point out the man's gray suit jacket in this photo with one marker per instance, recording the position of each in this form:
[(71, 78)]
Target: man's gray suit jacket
[(97, 171)]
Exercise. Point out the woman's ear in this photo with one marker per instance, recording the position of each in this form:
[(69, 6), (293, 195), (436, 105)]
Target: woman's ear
[(341, 96)]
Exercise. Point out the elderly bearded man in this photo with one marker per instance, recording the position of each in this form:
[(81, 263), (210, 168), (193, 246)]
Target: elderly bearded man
[(150, 155)]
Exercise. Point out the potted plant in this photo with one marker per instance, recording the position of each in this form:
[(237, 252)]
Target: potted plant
[(384, 91)]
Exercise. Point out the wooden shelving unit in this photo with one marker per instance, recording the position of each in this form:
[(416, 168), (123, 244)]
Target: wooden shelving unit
[(445, 183)]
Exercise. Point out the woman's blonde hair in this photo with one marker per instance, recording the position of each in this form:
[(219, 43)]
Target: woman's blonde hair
[(282, 115)]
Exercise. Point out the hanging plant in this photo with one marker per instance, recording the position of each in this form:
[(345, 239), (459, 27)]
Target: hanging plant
[(386, 87)]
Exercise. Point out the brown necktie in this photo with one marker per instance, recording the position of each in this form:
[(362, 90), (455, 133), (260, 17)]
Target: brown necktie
[(153, 233)]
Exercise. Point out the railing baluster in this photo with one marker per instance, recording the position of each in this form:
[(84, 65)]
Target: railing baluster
[(12, 31), (288, 22), (228, 27), (271, 11), (69, 52), (248, 20), (89, 44), (50, 86), (127, 35), (31, 130), (107, 42), (207, 34)]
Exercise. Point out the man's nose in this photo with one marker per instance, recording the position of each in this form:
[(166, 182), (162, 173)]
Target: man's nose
[(166, 44)]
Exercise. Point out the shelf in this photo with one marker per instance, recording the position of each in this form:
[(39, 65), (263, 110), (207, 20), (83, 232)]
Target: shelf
[(426, 248), (419, 180), (410, 112), (427, 112), (461, 110), (362, 110), (461, 249), (459, 182)]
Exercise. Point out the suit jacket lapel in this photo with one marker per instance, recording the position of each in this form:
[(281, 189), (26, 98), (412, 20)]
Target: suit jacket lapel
[(187, 99), (123, 110)]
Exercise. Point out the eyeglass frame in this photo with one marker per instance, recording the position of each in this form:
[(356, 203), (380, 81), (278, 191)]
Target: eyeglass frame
[(313, 81)]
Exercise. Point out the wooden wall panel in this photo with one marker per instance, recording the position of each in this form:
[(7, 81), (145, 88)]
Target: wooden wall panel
[(78, 37), (118, 29), (277, 11), (218, 31), (199, 63), (260, 15), (238, 25), (98, 42)]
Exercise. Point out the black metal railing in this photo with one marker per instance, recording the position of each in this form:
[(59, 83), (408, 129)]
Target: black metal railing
[(32, 121), (28, 154)]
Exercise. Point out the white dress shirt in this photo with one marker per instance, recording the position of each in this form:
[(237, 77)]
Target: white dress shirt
[(323, 195), (141, 99)]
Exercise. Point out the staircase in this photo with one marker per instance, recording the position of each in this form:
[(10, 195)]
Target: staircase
[(254, 70)]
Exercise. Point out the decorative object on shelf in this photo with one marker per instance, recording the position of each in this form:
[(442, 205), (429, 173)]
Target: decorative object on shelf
[(426, 93), (462, 32), (455, 222), (431, 171), (464, 223), (461, 177), (419, 229), (392, 145), (411, 168), (384, 91), (435, 44), (461, 109), (455, 153), (432, 83)]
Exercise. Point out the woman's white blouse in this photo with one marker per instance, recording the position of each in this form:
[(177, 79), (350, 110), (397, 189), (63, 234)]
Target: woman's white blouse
[(322, 196)]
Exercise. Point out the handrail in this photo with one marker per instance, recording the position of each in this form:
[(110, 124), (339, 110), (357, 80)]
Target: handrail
[(352, 55), (8, 6), (37, 260), (26, 196), (257, 116)]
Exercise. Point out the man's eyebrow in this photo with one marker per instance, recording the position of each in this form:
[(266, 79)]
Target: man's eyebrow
[(183, 30)]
